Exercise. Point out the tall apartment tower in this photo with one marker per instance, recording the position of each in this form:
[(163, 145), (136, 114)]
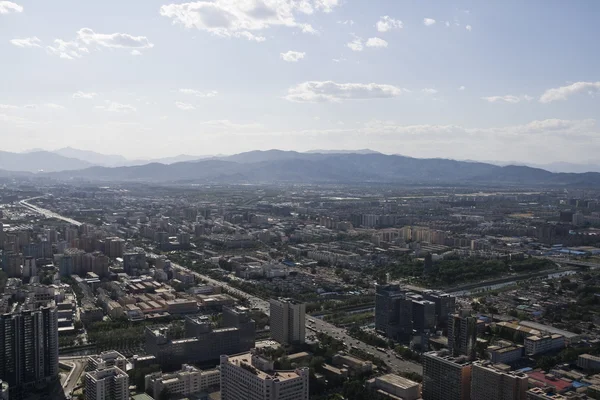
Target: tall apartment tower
[(29, 347), (462, 335), (288, 320), (393, 312), (490, 383), (107, 384), (249, 377), (446, 377)]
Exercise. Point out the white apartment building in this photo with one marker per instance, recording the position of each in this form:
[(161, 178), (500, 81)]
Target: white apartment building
[(288, 321), (107, 384), (186, 381), (249, 377), (542, 344), (107, 359)]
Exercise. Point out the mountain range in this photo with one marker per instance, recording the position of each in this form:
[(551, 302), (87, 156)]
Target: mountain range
[(273, 166)]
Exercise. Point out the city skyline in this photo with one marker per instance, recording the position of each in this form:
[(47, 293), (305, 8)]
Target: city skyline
[(463, 80)]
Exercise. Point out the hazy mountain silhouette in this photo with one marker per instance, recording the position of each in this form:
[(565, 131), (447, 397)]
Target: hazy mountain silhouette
[(35, 161), (289, 166)]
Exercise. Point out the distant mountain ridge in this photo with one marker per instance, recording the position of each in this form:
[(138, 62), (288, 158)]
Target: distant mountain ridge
[(277, 166)]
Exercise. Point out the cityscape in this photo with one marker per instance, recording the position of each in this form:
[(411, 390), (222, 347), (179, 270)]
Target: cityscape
[(299, 200)]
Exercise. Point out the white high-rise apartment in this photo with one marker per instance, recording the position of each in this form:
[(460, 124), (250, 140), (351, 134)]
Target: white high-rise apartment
[(248, 376), (107, 384), (288, 320)]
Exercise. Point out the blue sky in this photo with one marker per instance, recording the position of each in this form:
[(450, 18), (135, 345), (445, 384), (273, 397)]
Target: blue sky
[(486, 80)]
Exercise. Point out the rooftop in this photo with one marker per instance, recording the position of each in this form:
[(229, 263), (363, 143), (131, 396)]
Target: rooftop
[(398, 381), (245, 359)]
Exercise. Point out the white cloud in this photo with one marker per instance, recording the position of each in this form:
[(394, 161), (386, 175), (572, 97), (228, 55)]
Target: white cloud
[(292, 56), (87, 38), (227, 124), (346, 22), (355, 45), (197, 93), (338, 60), (184, 106), (386, 23), (376, 42), (7, 7), (469, 28), (461, 88), (329, 91), (8, 107), (115, 107), (84, 95), (54, 106), (512, 99), (428, 21), (239, 19), (429, 91), (447, 23), (113, 40), (67, 50), (27, 42), (136, 53), (561, 93)]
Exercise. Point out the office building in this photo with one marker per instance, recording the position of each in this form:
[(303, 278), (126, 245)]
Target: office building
[(288, 321), (239, 317), (107, 384), (423, 315), (29, 347), (492, 383), (462, 335), (446, 377), (186, 381), (393, 312), (201, 342), (250, 377), (444, 305)]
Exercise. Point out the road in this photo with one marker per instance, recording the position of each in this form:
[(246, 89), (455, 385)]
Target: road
[(79, 365), (312, 323)]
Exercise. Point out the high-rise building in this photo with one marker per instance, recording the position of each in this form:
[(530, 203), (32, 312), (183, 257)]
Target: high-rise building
[(491, 383), (11, 264), (239, 317), (29, 267), (444, 305), (393, 312), (462, 335), (288, 320), (114, 247), (423, 315), (29, 347), (134, 263), (107, 384), (107, 359), (186, 381), (249, 377), (446, 377)]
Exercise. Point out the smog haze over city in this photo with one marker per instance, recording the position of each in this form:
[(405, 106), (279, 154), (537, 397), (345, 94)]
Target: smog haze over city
[(299, 200)]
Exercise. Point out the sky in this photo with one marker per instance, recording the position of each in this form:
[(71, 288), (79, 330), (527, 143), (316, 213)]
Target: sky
[(501, 80)]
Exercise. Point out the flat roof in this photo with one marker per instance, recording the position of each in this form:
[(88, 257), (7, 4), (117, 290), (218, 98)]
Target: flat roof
[(246, 358), (548, 328), (398, 381)]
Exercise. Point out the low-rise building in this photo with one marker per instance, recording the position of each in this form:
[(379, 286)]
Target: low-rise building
[(505, 354), (588, 362), (395, 385), (186, 381), (543, 344), (355, 365)]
